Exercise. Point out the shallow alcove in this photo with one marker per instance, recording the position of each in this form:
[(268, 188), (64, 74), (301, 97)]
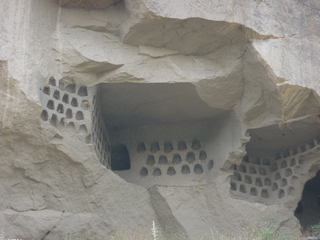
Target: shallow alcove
[(182, 145), (141, 147), (120, 159), (168, 135), (308, 209), (71, 88)]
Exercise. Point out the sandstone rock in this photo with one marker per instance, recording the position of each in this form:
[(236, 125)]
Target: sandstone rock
[(202, 117)]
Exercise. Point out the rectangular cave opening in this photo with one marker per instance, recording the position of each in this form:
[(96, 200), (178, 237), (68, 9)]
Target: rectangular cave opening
[(159, 133), (308, 209)]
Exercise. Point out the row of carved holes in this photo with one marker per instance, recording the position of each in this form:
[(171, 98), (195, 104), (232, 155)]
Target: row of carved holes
[(258, 181), (266, 162), (273, 168), (56, 123), (254, 192), (168, 146), (287, 173), (60, 109), (248, 180), (176, 159), (171, 171), (65, 98), (283, 164), (286, 153), (71, 88)]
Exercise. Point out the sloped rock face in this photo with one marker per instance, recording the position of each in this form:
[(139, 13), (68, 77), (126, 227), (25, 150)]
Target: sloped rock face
[(198, 116)]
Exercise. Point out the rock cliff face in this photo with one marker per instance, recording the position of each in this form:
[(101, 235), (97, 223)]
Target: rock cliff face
[(201, 116)]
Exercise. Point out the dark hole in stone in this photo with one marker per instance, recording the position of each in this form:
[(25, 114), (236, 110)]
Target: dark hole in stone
[(154, 147), (233, 186), (176, 159), (190, 157), (143, 172), (242, 168), (288, 172), (303, 148), (245, 158), (120, 159), (274, 186), (195, 144), (277, 176), (163, 159), (44, 115), (151, 160), (284, 164), (252, 170), (203, 155), (292, 162), (171, 171), (266, 162), (237, 176), (258, 182), (281, 193), (182, 145), (267, 182), (253, 192), (311, 144), (157, 172), (141, 147), (83, 129), (286, 153), (56, 94), (46, 90), (262, 171), (65, 98), (308, 209), (247, 179), (52, 81), (69, 113), (83, 91), (74, 102), (243, 188), (71, 126), (79, 115), (294, 151), (60, 108), (168, 147), (198, 169), (264, 193), (50, 104), (61, 123), (256, 160), (54, 120), (185, 169), (274, 167)]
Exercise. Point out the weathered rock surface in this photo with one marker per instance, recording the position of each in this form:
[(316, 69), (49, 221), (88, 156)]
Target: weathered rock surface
[(199, 116)]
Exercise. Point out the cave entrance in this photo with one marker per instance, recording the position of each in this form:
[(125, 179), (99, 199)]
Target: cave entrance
[(308, 210), (120, 159)]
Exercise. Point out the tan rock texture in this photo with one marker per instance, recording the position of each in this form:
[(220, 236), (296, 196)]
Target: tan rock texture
[(201, 116)]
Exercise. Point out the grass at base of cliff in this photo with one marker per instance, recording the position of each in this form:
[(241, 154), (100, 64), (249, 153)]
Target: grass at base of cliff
[(263, 233)]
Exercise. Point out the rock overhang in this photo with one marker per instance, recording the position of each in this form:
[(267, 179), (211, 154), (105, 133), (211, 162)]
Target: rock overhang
[(127, 104)]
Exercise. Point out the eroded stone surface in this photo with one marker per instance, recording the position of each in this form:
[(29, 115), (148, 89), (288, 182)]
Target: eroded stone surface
[(114, 114)]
